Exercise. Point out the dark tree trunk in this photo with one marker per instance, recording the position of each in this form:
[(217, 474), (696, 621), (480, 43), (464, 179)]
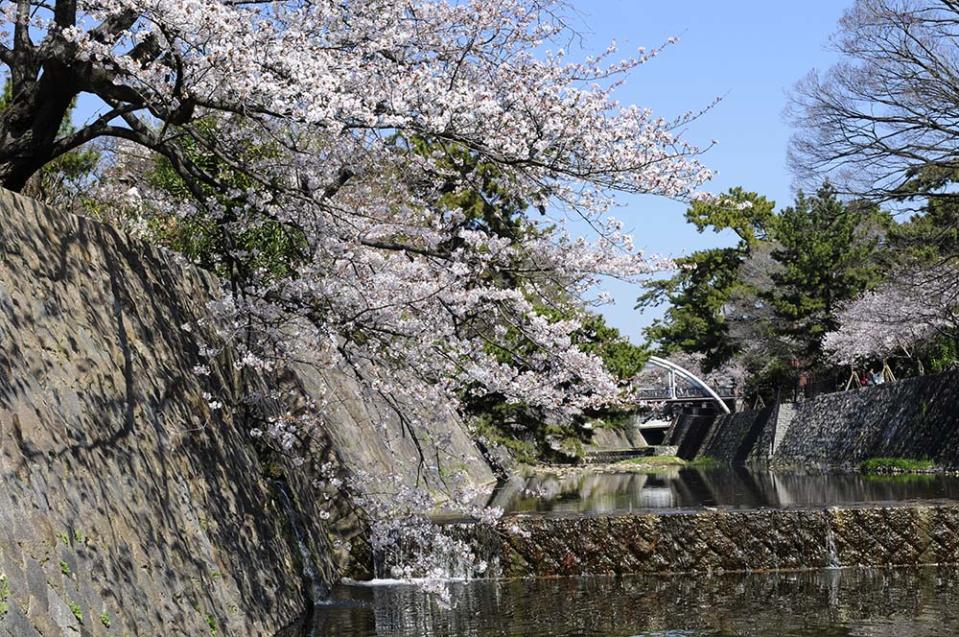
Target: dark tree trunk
[(29, 130), (41, 91)]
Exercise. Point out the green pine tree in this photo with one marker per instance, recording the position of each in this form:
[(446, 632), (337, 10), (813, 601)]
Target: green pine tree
[(826, 256), (697, 294)]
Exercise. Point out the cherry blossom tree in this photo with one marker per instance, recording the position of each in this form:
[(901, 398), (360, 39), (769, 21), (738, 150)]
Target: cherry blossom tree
[(898, 317), (349, 130), (317, 107), (351, 73)]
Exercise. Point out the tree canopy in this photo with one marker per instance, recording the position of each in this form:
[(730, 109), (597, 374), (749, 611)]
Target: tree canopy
[(765, 304), (695, 319), (881, 125), (826, 255)]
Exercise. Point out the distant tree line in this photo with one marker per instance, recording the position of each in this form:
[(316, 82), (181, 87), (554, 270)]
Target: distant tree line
[(866, 270)]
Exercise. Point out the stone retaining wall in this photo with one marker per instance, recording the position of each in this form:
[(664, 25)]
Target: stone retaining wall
[(737, 436), (713, 541), (911, 418), (606, 438), (125, 498)]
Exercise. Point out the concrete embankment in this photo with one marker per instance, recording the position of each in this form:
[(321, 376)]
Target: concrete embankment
[(911, 418), (710, 541)]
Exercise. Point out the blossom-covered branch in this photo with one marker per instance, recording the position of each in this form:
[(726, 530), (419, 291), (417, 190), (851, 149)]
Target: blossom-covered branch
[(901, 314)]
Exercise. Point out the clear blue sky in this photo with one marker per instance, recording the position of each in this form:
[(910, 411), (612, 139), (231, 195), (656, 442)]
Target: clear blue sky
[(750, 52)]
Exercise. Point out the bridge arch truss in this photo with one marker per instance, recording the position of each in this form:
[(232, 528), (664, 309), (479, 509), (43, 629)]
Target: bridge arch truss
[(675, 371)]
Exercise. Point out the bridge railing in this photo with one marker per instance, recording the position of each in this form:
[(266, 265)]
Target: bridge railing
[(681, 392)]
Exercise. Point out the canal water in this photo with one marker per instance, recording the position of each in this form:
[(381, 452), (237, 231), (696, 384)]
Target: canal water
[(822, 603), (739, 488), (831, 603)]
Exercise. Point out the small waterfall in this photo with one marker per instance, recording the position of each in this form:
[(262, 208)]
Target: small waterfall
[(831, 553), (452, 552), (318, 590)]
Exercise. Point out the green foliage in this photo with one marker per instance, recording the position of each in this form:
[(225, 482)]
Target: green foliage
[(826, 257), (499, 424), (4, 596), (928, 241), (66, 176), (64, 568), (748, 214), (476, 189), (942, 354), (528, 433), (105, 619), (622, 358), (211, 622), (613, 420), (768, 300), (706, 280), (926, 238), (76, 610), (694, 321), (263, 245), (896, 465), (933, 234)]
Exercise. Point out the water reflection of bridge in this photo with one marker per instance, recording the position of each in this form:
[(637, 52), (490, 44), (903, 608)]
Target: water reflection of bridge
[(588, 492)]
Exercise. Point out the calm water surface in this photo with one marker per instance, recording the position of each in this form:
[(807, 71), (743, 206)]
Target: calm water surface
[(879, 603), (586, 492), (832, 603)]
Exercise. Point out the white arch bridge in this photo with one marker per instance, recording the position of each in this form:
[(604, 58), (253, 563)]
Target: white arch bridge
[(694, 390)]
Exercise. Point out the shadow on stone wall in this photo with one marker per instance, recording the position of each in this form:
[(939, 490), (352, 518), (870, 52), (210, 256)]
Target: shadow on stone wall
[(124, 497), (111, 461), (911, 418)]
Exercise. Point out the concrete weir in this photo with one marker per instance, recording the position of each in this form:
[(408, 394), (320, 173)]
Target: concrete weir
[(725, 541), (916, 418)]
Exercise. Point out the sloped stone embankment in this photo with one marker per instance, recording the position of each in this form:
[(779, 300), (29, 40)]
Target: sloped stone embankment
[(127, 505)]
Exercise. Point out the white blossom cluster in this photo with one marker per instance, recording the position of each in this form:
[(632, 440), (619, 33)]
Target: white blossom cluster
[(408, 545), (910, 308), (319, 107), (396, 280)]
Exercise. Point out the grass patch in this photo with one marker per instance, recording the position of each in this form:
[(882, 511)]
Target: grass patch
[(105, 618), (76, 610), (211, 622), (897, 465), (655, 461), (652, 464), (704, 462)]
